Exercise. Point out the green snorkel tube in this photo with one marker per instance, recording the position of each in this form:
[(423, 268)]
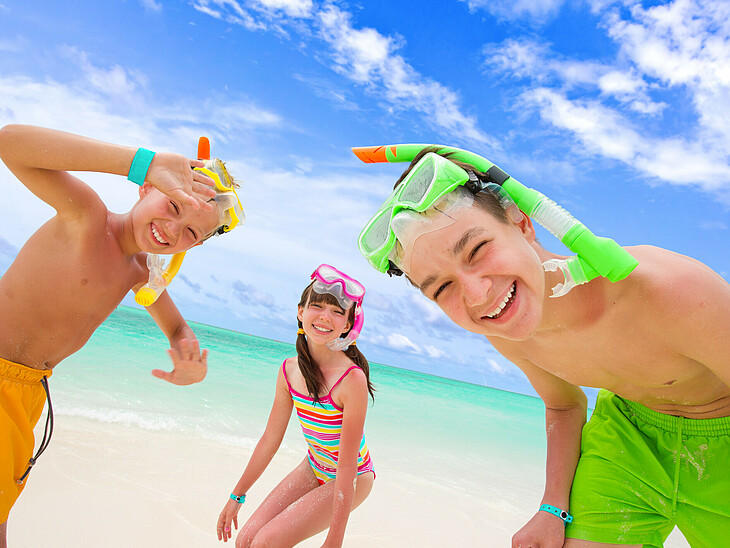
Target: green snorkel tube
[(595, 256)]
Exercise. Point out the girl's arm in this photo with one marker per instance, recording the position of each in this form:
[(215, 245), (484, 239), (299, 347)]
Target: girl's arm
[(40, 158), (354, 397), (263, 453)]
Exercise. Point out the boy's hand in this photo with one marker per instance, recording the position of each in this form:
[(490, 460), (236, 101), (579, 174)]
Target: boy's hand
[(172, 174), (543, 531), (228, 515), (188, 364)]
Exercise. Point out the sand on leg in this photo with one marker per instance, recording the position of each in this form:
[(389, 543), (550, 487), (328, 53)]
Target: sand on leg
[(308, 516), (298, 483)]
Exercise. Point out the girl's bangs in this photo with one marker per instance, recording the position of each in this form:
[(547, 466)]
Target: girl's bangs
[(325, 298)]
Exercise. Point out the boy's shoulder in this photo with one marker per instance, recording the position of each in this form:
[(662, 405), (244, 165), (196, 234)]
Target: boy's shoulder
[(667, 274), (669, 288)]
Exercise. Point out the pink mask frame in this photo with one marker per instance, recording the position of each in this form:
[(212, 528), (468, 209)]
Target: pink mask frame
[(348, 292)]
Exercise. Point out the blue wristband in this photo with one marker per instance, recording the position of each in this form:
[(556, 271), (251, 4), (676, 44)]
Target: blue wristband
[(140, 165), (562, 514), (240, 499)]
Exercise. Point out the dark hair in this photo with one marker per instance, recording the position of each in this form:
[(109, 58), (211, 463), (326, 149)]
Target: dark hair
[(485, 200), (308, 367)]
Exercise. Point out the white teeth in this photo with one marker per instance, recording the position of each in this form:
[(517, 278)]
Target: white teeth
[(157, 236), (322, 329), (504, 303)]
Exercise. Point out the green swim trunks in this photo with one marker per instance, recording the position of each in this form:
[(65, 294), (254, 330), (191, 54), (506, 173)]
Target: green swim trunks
[(642, 472)]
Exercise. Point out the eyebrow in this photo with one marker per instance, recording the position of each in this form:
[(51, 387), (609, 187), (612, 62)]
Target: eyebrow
[(458, 248)]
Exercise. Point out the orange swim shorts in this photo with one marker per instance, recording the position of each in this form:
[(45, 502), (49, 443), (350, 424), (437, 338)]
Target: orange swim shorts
[(22, 398)]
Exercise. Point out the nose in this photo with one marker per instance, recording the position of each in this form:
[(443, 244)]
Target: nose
[(173, 228), (325, 314), (475, 289)]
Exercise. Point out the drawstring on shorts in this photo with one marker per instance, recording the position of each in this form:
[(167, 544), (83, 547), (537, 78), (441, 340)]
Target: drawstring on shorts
[(47, 432)]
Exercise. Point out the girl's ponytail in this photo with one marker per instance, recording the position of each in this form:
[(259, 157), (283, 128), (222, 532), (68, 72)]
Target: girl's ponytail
[(310, 371)]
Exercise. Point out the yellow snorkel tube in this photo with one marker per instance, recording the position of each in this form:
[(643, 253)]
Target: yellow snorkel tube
[(231, 213)]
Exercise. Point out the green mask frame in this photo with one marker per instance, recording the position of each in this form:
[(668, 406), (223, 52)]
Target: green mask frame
[(595, 255)]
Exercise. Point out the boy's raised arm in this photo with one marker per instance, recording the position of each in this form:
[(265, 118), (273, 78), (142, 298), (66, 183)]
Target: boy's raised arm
[(41, 158)]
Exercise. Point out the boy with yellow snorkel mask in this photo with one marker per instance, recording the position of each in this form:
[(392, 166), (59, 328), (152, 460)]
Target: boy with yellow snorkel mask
[(653, 336), (76, 268)]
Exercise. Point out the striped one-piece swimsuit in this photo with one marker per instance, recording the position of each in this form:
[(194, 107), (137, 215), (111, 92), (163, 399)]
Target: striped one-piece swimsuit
[(322, 427)]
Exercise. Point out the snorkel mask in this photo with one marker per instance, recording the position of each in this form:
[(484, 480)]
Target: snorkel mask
[(348, 292), (431, 180), (231, 215)]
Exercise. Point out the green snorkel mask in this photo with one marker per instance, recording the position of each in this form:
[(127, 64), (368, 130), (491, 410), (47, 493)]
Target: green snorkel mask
[(432, 179)]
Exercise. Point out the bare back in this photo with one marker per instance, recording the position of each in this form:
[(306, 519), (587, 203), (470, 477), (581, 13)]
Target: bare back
[(657, 338), (65, 281)]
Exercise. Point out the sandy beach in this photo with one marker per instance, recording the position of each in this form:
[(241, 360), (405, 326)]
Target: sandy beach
[(113, 486)]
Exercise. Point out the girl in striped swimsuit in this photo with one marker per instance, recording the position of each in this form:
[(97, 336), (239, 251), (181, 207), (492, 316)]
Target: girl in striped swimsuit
[(328, 384)]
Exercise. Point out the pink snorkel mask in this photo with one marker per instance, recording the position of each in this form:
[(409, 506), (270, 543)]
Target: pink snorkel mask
[(348, 292)]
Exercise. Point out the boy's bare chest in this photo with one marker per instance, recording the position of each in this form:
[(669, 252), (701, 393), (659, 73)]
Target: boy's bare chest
[(630, 360), (57, 292)]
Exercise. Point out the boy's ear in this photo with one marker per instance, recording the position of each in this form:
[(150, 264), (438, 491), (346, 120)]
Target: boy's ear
[(527, 228), (145, 189)]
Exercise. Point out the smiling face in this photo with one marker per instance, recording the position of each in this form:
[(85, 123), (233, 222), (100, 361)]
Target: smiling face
[(164, 225), (486, 275), (323, 319)]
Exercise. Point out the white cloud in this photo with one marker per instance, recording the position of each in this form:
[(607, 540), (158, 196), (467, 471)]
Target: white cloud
[(400, 343), (433, 352), (604, 131), (538, 63), (363, 55), (115, 81), (666, 53), (496, 367), (369, 58), (291, 8), (684, 43), (151, 5), (532, 11)]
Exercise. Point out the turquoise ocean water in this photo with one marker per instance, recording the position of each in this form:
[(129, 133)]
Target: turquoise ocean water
[(418, 423)]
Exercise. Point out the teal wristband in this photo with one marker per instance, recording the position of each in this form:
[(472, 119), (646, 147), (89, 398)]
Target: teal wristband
[(240, 499), (562, 514), (140, 165)]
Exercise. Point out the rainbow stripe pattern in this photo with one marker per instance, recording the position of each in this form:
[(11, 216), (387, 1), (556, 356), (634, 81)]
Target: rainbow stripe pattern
[(322, 425)]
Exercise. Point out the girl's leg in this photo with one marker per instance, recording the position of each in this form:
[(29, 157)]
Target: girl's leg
[(309, 515), (298, 483)]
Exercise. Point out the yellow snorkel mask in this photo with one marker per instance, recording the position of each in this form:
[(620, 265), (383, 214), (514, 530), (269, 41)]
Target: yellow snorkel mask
[(231, 215)]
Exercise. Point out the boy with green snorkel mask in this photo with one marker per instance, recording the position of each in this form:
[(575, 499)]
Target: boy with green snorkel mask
[(655, 452), (76, 268)]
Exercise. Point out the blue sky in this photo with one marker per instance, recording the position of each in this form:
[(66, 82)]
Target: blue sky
[(615, 109)]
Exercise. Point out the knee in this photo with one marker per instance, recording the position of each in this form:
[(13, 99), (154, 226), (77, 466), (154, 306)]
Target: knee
[(262, 540), (244, 539)]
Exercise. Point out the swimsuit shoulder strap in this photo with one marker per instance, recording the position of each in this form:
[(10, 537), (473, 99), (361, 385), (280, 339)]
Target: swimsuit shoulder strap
[(283, 368), (342, 377)]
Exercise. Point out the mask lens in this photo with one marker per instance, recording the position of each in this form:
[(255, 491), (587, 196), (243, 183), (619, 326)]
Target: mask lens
[(353, 289), (419, 182), (378, 232)]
